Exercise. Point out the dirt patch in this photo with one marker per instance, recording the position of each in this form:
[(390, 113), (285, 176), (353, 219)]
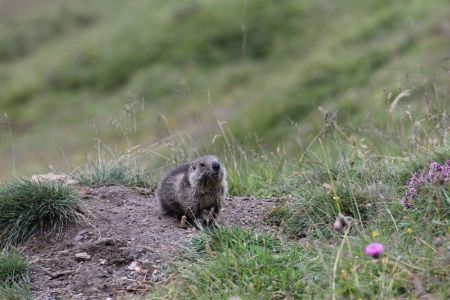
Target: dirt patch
[(125, 247)]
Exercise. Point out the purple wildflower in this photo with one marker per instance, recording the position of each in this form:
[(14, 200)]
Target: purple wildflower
[(412, 191), (374, 250), (416, 180), (436, 174), (406, 203), (436, 167)]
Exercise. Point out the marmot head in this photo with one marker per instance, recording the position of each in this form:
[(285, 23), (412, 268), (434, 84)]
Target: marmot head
[(206, 171)]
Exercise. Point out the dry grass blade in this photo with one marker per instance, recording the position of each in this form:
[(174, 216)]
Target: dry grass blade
[(405, 93)]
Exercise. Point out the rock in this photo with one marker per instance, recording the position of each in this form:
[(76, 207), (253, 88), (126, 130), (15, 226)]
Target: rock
[(144, 191), (86, 192), (133, 266), (65, 179), (82, 256), (55, 284), (105, 242), (146, 248), (79, 235), (58, 274)]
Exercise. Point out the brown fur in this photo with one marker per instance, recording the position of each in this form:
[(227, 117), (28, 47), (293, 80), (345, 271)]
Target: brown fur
[(193, 188)]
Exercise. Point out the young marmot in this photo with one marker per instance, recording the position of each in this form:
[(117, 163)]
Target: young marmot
[(193, 190)]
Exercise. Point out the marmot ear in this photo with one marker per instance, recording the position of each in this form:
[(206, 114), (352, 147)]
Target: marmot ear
[(193, 166)]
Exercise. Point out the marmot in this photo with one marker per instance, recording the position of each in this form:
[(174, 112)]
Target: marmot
[(194, 190)]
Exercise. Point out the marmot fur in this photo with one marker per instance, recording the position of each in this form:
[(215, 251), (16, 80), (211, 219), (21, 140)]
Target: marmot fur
[(194, 190)]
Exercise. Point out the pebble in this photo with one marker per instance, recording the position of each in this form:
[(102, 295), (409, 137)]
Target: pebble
[(133, 266), (79, 235), (82, 256), (55, 283)]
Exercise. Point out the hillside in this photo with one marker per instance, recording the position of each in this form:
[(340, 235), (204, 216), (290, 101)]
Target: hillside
[(331, 119), (80, 72)]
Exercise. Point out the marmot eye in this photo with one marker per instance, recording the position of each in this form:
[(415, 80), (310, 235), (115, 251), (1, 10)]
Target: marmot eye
[(201, 165)]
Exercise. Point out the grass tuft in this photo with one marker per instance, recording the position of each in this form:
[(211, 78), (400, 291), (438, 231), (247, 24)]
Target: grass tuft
[(16, 291), (29, 207), (116, 173), (13, 276), (12, 267)]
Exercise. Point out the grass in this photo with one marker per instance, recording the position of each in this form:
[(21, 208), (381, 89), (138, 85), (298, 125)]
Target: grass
[(307, 95), (13, 276), (361, 173), (29, 207), (12, 267), (303, 55), (358, 173), (326, 264), (115, 173), (138, 167), (251, 171), (361, 189), (16, 292), (235, 262)]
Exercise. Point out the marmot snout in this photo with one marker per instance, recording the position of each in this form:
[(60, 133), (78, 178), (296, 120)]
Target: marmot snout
[(193, 188)]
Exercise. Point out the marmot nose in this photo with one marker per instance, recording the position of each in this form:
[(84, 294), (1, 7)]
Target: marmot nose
[(216, 166)]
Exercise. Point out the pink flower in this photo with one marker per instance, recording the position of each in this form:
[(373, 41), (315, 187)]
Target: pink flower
[(374, 250)]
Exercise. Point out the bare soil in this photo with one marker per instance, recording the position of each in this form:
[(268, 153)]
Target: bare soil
[(124, 248)]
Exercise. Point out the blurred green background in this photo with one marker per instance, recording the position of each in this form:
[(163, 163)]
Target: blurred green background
[(74, 74)]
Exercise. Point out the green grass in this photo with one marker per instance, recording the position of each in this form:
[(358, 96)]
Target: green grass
[(362, 189), (254, 82), (234, 262), (323, 263), (32, 32), (16, 292), (13, 276), (28, 207), (213, 61), (115, 173), (12, 267), (359, 173)]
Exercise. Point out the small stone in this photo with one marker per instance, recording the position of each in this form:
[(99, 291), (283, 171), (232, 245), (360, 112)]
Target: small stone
[(155, 278), (146, 248), (79, 235), (49, 177), (86, 192), (82, 256), (55, 284), (133, 266), (183, 223), (144, 191)]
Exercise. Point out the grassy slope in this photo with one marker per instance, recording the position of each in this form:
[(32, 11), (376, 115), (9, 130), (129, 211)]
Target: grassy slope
[(352, 57), (69, 70)]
